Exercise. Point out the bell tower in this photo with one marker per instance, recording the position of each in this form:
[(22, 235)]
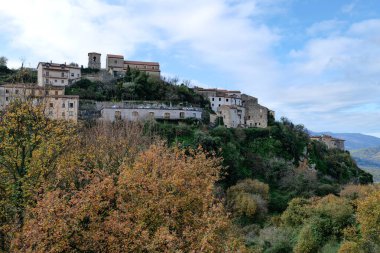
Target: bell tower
[(94, 60)]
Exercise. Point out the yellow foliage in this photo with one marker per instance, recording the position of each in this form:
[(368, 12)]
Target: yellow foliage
[(349, 247)]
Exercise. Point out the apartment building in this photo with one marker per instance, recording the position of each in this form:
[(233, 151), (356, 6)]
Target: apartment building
[(56, 74), (57, 105)]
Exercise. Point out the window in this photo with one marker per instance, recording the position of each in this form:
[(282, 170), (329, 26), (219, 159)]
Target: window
[(16, 91), (56, 93), (47, 73), (135, 114), (78, 75), (213, 99), (117, 115), (46, 92), (55, 80), (63, 114), (151, 114), (63, 105), (62, 74), (212, 104), (72, 74), (71, 105), (167, 115), (227, 100), (181, 115), (7, 91), (47, 80), (6, 98), (115, 62), (71, 113), (51, 105), (220, 99), (62, 81)]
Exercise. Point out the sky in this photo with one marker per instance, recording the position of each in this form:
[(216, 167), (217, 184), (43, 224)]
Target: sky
[(316, 62)]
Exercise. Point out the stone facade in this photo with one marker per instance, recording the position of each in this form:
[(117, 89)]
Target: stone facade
[(57, 74), (94, 60), (57, 105), (233, 116), (256, 115), (117, 65), (330, 141), (145, 112), (237, 110)]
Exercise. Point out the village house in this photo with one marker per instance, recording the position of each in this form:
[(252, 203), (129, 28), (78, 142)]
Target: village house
[(57, 74), (57, 105), (330, 141), (133, 112), (233, 116), (117, 64), (237, 110)]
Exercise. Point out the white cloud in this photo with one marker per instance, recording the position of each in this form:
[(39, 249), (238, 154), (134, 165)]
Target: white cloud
[(325, 83)]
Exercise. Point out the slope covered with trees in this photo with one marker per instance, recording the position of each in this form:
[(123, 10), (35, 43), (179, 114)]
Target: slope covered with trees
[(164, 187)]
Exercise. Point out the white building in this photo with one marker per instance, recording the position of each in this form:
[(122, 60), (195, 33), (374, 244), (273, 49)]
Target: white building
[(221, 97), (135, 112), (57, 74)]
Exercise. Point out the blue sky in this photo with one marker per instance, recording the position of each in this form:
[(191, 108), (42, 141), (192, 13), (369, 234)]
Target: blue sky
[(314, 61)]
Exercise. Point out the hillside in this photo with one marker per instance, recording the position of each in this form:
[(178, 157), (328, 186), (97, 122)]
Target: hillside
[(354, 141), (369, 157)]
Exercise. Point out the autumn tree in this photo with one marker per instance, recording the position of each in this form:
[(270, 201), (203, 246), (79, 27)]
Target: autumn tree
[(30, 145), (163, 201), (248, 199)]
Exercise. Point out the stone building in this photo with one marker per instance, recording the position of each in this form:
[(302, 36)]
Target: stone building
[(330, 141), (219, 97), (57, 74), (57, 105), (145, 112), (238, 110), (233, 116), (94, 60), (116, 63), (256, 115)]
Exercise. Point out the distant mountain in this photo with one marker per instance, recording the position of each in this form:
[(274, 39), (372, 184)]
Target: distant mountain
[(369, 157), (354, 141)]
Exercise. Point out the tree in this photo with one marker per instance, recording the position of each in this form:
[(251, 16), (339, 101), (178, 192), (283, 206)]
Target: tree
[(248, 199), (30, 145), (3, 61), (163, 202)]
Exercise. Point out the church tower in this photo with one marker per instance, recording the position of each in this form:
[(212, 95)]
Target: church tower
[(94, 60)]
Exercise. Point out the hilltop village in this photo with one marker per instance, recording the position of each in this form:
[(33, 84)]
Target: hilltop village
[(56, 88), (131, 154)]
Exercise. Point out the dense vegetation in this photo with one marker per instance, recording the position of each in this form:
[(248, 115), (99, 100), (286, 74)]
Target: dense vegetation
[(137, 85), (22, 75), (118, 187)]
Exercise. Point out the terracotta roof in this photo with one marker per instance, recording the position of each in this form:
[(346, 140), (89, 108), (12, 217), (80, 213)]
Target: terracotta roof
[(115, 56), (93, 53), (142, 63)]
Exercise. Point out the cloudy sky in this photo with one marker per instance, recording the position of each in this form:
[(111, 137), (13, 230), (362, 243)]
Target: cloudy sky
[(316, 62)]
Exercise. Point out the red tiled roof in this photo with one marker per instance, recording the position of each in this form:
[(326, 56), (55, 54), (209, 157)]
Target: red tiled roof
[(142, 63), (115, 56)]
